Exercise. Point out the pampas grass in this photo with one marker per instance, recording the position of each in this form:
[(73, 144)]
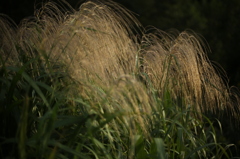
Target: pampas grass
[(179, 63), (93, 83)]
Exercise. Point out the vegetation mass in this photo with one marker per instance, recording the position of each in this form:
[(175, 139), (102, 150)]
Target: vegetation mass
[(93, 83)]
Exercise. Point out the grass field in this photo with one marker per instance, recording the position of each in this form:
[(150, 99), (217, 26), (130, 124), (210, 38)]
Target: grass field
[(93, 83)]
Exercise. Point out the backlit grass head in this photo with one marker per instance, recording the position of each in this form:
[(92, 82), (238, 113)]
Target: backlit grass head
[(94, 42), (178, 63)]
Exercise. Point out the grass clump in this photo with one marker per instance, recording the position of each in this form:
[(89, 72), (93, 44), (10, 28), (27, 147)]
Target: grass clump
[(81, 84)]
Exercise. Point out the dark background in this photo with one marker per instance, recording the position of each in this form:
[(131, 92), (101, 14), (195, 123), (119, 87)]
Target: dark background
[(218, 21)]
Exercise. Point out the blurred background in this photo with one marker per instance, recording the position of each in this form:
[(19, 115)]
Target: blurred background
[(217, 21)]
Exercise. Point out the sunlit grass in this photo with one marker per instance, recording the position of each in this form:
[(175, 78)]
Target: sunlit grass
[(94, 84)]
